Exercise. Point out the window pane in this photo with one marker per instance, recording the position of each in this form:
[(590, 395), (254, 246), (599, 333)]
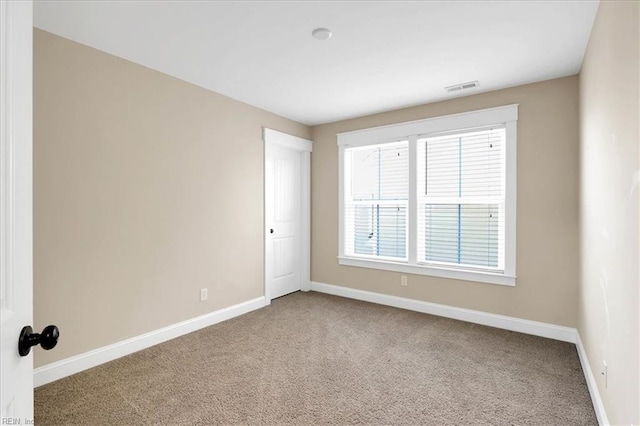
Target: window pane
[(377, 230), (364, 230), (479, 235), (380, 172), (464, 165), (481, 164), (392, 231), (442, 167), (441, 231), (463, 234), (456, 174)]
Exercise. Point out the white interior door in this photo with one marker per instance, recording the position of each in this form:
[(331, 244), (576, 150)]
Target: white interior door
[(284, 220), (16, 276), (286, 214)]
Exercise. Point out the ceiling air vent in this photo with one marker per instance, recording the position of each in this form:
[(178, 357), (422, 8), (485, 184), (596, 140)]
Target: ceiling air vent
[(462, 86)]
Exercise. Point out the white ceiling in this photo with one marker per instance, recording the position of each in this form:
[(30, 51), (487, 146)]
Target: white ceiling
[(382, 56)]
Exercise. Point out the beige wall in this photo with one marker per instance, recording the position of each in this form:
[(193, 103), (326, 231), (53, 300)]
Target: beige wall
[(547, 212), (146, 189), (610, 139)]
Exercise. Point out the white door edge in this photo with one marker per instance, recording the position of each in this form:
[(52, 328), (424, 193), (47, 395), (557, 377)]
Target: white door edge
[(16, 207), (273, 138)]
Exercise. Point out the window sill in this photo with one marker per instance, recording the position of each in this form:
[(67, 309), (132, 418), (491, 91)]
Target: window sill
[(477, 276)]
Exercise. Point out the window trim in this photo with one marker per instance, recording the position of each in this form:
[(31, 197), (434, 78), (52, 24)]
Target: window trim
[(504, 115)]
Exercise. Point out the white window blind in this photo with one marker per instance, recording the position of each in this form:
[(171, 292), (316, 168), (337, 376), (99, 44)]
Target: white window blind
[(377, 184), (461, 199)]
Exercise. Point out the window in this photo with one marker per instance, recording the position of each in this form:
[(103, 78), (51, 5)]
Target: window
[(432, 197), (376, 210)]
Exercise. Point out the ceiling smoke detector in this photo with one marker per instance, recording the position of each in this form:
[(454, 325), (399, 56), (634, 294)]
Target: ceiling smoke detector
[(462, 86), (321, 34)]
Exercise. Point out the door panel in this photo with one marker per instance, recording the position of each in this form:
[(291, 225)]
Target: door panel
[(284, 188), (284, 261)]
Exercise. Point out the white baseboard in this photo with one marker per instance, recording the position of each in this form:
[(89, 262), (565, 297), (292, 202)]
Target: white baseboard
[(598, 406), (551, 331), (75, 364)]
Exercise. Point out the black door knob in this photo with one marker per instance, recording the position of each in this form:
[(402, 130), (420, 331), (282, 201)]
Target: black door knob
[(48, 339), (271, 231)]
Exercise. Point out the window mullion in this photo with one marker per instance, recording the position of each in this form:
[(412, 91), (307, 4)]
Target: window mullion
[(412, 212)]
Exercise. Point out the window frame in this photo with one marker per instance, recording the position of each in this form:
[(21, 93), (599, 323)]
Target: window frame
[(506, 116)]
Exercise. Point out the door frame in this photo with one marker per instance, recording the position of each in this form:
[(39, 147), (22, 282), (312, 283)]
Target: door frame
[(273, 138), (16, 200)]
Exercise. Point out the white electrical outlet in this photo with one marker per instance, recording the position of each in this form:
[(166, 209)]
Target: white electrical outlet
[(403, 280), (203, 294), (605, 372)]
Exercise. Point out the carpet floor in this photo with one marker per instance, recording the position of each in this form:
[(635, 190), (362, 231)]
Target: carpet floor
[(311, 358)]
